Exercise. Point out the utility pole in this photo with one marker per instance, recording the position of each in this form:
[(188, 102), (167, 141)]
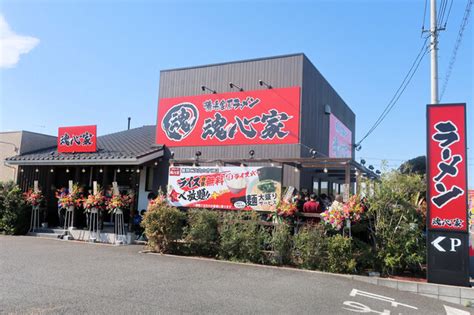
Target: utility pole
[(434, 54)]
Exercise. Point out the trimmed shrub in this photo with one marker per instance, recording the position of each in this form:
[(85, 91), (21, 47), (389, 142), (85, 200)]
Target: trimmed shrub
[(241, 237), (14, 212), (340, 256), (310, 249), (202, 233), (163, 226), (282, 244)]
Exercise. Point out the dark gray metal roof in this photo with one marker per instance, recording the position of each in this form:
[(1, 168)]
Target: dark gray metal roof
[(134, 146), (235, 61)]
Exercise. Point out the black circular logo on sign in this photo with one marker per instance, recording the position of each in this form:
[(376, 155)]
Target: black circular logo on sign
[(179, 121)]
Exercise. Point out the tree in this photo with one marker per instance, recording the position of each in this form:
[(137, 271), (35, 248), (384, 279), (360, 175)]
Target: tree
[(396, 222), (414, 166)]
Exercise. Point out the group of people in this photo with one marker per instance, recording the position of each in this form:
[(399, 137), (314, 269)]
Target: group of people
[(311, 203)]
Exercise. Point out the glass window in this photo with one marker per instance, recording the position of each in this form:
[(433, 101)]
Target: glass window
[(324, 188), (149, 178), (316, 186)]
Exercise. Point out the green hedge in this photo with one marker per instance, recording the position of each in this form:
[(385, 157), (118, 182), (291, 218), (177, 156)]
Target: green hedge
[(390, 238), (241, 237), (201, 234), (14, 213)]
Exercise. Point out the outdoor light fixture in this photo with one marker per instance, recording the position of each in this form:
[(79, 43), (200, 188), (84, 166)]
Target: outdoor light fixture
[(67, 170), (118, 170), (101, 170), (194, 164), (242, 165), (296, 170), (272, 164), (327, 109), (371, 167), (313, 153), (362, 161), (251, 153), (172, 164), (172, 154), (37, 170), (156, 163), (204, 88), (127, 170), (198, 153), (262, 83), (378, 172), (138, 170), (22, 170), (357, 146), (83, 170), (325, 170), (232, 85), (51, 170), (356, 173)]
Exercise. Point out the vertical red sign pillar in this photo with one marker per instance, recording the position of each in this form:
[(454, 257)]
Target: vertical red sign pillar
[(447, 218)]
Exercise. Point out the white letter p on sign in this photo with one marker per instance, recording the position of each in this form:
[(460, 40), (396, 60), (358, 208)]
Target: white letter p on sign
[(455, 242)]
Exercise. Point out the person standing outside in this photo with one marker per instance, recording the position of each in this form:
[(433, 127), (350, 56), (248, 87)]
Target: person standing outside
[(312, 206)]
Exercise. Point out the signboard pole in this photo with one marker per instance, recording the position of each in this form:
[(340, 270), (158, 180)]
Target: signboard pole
[(447, 217)]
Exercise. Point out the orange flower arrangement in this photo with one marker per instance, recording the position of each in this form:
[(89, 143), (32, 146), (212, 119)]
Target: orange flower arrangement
[(33, 198), (119, 202)]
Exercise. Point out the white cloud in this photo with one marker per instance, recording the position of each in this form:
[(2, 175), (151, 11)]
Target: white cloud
[(13, 45)]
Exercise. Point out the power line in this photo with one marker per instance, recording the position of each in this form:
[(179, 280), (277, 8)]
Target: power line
[(387, 108), (424, 17), (449, 13), (441, 12), (457, 44), (406, 80)]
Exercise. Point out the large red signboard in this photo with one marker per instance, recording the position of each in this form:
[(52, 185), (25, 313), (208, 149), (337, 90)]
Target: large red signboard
[(77, 139), (249, 117), (447, 173)]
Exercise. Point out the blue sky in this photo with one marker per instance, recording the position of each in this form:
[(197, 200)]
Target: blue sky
[(98, 62)]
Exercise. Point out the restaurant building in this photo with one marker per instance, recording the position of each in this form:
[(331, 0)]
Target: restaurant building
[(277, 111), (300, 121)]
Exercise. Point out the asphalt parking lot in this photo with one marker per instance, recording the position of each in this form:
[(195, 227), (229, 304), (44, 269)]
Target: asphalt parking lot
[(43, 276)]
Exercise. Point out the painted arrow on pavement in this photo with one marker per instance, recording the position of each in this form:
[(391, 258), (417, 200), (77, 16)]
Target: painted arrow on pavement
[(436, 243)]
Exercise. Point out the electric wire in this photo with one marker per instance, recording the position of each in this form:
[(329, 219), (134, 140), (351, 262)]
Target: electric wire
[(457, 44), (424, 18), (401, 85), (411, 72), (449, 13), (441, 11)]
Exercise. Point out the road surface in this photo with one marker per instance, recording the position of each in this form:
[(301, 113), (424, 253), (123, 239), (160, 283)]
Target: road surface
[(43, 276)]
